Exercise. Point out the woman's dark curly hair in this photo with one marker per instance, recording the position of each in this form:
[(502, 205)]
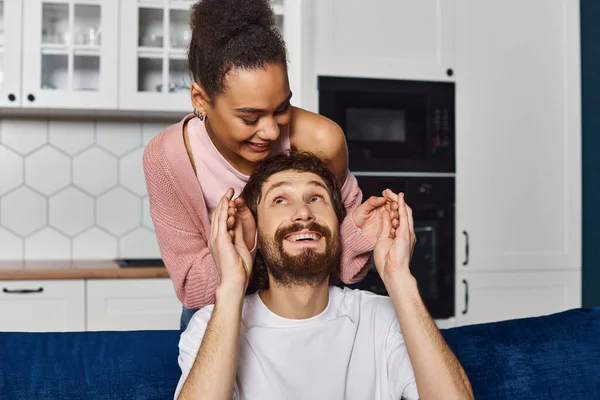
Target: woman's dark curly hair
[(229, 34)]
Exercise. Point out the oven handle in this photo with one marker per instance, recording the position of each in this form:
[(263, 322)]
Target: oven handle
[(466, 297), (466, 248)]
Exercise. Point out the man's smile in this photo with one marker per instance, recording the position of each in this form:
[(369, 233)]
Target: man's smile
[(304, 235)]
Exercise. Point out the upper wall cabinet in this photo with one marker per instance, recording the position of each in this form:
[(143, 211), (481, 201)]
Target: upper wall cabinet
[(109, 55), (69, 54), (10, 53), (396, 39), (155, 36)]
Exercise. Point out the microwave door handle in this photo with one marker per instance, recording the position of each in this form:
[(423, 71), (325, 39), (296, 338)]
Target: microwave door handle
[(466, 262)]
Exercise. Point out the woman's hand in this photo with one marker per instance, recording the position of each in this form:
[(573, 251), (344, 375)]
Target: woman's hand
[(239, 211), (228, 247), (393, 251), (369, 215)]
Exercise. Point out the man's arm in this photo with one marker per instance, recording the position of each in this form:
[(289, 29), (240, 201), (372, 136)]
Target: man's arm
[(437, 371), (213, 374)]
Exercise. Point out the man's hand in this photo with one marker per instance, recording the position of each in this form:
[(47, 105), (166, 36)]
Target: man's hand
[(369, 216), (228, 247), (394, 247), (212, 375)]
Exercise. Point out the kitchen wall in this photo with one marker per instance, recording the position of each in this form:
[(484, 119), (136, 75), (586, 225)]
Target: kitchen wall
[(590, 65), (74, 189)]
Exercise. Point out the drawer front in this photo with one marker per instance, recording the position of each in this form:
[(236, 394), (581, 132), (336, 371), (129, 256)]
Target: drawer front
[(132, 304), (42, 306)]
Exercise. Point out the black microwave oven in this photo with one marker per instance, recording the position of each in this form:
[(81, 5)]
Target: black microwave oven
[(393, 125)]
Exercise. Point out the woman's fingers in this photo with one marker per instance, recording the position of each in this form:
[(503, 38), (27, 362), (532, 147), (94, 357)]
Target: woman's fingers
[(214, 223), (402, 217)]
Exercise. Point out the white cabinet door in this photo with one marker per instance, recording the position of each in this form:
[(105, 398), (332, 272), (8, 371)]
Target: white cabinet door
[(153, 63), (518, 146), (10, 53), (496, 296), (402, 39), (289, 15), (132, 304), (70, 54), (42, 306)]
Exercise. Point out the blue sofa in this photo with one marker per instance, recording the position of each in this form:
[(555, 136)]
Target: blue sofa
[(550, 357)]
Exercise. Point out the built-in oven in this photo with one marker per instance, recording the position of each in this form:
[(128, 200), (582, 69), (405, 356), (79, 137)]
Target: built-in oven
[(393, 125), (432, 264)]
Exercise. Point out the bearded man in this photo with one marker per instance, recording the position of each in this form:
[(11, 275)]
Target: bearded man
[(298, 336)]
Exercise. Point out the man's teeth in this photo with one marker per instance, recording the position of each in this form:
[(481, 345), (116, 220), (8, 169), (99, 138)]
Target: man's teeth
[(260, 144), (304, 236)]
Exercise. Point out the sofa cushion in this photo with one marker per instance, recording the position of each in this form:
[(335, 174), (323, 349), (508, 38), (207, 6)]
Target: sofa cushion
[(551, 357), (89, 365)]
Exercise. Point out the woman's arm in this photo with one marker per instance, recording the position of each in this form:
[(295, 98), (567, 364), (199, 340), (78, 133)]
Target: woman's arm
[(318, 134), (182, 243)]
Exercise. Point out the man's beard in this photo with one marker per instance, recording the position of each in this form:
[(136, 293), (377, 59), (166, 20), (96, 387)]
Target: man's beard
[(309, 267)]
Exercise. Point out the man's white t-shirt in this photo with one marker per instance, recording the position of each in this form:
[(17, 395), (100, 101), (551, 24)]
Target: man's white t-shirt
[(352, 350)]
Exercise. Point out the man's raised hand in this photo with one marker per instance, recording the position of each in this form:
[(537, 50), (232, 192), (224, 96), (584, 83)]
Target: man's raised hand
[(228, 247)]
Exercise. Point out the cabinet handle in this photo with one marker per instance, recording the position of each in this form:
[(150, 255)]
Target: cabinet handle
[(31, 97), (23, 291), (466, 248), (12, 97), (466, 297)]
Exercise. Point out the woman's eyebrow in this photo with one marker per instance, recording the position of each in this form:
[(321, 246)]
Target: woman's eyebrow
[(252, 110)]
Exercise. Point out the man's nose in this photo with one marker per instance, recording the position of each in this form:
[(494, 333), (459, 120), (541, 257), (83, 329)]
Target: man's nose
[(303, 213)]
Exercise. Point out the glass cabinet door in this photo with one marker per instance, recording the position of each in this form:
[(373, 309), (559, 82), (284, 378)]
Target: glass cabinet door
[(154, 43), (70, 59), (155, 38), (10, 53)]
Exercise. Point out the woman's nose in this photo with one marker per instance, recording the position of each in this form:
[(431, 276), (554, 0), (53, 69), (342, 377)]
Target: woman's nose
[(270, 131)]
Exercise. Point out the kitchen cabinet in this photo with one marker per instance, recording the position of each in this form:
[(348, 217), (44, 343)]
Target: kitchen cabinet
[(69, 52), (132, 304), (518, 159), (518, 145), (395, 39), (110, 55), (153, 54), (494, 296), (10, 53), (42, 306), (153, 57)]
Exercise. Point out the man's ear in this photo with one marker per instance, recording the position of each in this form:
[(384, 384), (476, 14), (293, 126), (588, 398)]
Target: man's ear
[(199, 98)]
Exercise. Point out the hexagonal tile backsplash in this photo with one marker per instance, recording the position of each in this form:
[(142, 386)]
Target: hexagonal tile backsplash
[(74, 190)]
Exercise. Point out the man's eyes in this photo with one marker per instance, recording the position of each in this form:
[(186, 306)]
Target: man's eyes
[(312, 199)]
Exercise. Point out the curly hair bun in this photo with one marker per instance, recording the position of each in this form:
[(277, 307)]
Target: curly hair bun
[(215, 22)]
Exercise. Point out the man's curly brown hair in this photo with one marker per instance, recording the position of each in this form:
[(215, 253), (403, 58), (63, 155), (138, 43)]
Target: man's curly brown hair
[(228, 34)]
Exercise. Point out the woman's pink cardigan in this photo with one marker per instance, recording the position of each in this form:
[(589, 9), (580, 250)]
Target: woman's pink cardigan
[(182, 223)]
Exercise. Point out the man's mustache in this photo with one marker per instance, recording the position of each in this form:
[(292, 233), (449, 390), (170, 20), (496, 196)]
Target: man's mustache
[(282, 232)]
